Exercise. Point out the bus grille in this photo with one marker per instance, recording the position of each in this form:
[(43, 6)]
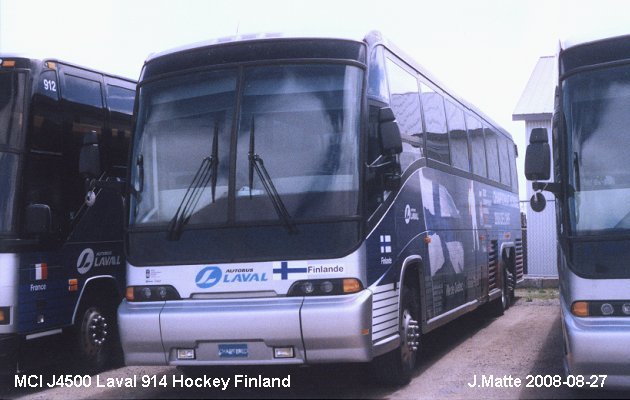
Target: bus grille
[(493, 264), (384, 311), (519, 261)]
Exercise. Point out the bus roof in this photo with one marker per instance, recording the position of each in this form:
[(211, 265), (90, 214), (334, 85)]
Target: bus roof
[(592, 37), (232, 39), (59, 61)]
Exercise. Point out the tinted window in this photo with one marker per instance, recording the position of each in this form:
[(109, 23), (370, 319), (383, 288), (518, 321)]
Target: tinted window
[(120, 99), (435, 120), (405, 102), (478, 148), (377, 84), (504, 160), (11, 108), (457, 136), (492, 154), (512, 156), (83, 91)]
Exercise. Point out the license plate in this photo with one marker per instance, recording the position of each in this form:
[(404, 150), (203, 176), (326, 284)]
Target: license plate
[(233, 350)]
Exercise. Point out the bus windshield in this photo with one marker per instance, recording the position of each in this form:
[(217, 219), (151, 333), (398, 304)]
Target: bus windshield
[(197, 163), (11, 121), (596, 105)]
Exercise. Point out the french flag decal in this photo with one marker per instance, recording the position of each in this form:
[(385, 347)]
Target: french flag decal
[(41, 272)]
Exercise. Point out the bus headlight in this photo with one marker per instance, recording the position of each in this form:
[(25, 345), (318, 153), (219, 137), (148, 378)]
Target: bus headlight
[(607, 309), (601, 308), (151, 293), (325, 287)]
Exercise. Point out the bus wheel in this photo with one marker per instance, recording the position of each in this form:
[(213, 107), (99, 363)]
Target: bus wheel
[(396, 367), (506, 293), (93, 334), (498, 306)]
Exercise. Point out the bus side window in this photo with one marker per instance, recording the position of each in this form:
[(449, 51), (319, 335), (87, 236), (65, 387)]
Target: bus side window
[(44, 167), (457, 136), (512, 155), (120, 103), (504, 160), (492, 153), (83, 113), (477, 145), (435, 121), (405, 103)]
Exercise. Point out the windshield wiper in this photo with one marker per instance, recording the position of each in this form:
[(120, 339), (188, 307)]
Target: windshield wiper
[(206, 173), (256, 163)]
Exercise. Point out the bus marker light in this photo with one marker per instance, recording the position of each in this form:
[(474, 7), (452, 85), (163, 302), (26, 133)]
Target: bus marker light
[(8, 63), (365, 331), (625, 308), (427, 239), (607, 309), (283, 352), (51, 65), (4, 315), (351, 285), (185, 354), (580, 309), (73, 285), (129, 293)]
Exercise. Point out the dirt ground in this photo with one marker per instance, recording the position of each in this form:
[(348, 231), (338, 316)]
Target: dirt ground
[(525, 342)]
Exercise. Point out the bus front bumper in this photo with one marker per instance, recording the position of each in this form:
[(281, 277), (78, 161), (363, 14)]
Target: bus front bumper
[(248, 331), (597, 349)]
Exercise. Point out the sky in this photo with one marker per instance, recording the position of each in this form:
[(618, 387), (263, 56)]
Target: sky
[(483, 50)]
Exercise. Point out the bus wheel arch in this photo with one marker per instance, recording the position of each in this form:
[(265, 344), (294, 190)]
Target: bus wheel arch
[(396, 367), (94, 334)]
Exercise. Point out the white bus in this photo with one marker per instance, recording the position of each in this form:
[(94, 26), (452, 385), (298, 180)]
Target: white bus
[(591, 180), (303, 201)]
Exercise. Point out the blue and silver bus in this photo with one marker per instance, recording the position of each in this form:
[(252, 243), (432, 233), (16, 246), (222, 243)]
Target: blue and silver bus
[(64, 138), (309, 200), (591, 182)]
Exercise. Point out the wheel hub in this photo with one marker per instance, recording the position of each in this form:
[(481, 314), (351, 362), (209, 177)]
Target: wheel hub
[(411, 335), (97, 330)]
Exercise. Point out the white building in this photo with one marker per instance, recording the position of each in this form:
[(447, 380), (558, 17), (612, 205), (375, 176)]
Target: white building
[(535, 107)]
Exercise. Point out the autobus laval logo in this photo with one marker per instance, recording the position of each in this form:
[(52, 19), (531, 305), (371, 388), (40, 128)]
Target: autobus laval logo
[(208, 277), (85, 261)]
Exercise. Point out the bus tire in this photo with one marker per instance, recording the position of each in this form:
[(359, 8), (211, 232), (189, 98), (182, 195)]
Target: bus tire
[(497, 307), (396, 367), (94, 335)]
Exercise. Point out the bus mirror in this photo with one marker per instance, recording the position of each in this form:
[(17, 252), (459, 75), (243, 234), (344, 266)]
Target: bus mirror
[(391, 143), (38, 219), (538, 156), (89, 157), (538, 202)]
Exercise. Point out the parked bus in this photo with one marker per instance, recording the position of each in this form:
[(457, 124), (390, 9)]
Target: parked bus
[(64, 137), (304, 201), (591, 181)]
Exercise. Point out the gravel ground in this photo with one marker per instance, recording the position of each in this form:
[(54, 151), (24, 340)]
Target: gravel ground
[(525, 341)]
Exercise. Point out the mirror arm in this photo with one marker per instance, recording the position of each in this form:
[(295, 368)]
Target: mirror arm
[(553, 187)]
